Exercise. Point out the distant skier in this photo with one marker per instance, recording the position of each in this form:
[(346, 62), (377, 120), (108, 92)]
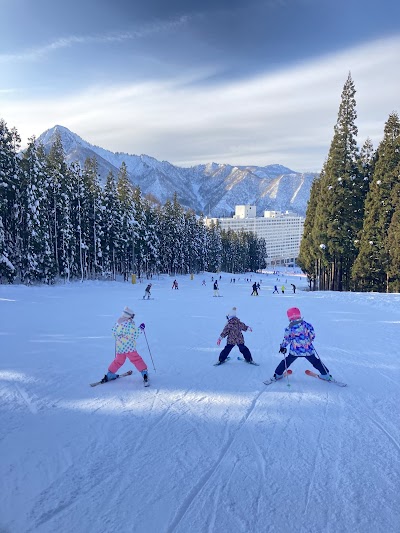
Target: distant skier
[(299, 335), (283, 289), (204, 282), (175, 284), (216, 288), (294, 288), (147, 292), (275, 290), (233, 332), (126, 333), (255, 291)]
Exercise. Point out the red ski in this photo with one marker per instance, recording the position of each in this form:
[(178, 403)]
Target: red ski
[(315, 375)]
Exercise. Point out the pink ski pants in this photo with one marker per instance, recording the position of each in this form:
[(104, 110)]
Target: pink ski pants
[(133, 357)]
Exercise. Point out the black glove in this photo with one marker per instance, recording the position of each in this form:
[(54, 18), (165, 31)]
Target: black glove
[(282, 349)]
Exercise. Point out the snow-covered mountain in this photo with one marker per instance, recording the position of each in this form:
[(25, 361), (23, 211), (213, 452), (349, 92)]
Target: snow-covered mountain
[(213, 188)]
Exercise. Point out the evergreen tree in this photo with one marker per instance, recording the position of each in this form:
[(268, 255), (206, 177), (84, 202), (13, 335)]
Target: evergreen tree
[(111, 226), (10, 203), (214, 248), (37, 260), (59, 206), (126, 222), (309, 256), (92, 215), (338, 219), (372, 266), (393, 240)]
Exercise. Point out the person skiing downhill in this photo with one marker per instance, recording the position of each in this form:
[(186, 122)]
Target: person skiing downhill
[(126, 333), (299, 335), (147, 292), (216, 288), (255, 291), (233, 332)]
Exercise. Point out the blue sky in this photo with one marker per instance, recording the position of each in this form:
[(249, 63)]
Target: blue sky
[(241, 82)]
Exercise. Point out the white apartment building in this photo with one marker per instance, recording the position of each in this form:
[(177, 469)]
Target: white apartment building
[(282, 231)]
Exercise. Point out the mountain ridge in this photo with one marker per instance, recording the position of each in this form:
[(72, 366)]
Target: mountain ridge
[(210, 188)]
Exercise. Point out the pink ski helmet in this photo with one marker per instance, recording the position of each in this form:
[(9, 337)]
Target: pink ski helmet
[(293, 313)]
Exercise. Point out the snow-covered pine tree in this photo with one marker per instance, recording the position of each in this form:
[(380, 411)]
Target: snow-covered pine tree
[(337, 217), (59, 206), (10, 208), (309, 255), (111, 227), (37, 262), (92, 216), (214, 248), (127, 222), (371, 268)]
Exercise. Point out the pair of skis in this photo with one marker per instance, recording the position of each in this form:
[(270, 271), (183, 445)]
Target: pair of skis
[(146, 382), (308, 373), (219, 363)]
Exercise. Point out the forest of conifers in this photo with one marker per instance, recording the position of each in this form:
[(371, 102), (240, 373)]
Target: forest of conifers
[(351, 238), (57, 222)]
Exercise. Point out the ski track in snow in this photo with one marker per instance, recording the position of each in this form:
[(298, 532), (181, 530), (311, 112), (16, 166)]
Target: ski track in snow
[(309, 485), (204, 480)]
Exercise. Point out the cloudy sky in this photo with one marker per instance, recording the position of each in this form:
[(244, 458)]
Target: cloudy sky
[(229, 81)]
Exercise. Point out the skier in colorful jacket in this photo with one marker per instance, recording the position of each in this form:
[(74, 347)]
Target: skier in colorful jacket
[(126, 334), (299, 336), (233, 332)]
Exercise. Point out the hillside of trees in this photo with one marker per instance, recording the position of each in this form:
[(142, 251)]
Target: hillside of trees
[(351, 237), (56, 222)]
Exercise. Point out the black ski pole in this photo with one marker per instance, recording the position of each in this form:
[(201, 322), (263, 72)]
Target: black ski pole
[(318, 357), (145, 336), (287, 375)]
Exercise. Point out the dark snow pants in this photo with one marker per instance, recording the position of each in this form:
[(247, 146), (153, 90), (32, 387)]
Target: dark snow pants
[(243, 350), (316, 363)]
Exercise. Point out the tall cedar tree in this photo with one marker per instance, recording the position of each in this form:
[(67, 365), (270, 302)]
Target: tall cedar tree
[(309, 255), (393, 240), (127, 234), (111, 227), (37, 261), (371, 269), (9, 195), (338, 216)]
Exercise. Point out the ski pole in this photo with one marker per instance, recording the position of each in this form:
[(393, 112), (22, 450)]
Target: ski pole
[(145, 336), (287, 375), (318, 357)]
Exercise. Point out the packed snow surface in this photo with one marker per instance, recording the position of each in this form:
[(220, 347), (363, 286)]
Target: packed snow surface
[(204, 449)]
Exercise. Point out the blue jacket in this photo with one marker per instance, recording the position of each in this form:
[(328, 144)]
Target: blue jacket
[(299, 335)]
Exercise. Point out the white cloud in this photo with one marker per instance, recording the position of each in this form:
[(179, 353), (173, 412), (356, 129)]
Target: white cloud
[(286, 117), (39, 52)]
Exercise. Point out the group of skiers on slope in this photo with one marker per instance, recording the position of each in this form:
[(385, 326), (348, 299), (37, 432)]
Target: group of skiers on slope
[(256, 287), (298, 335), (283, 288)]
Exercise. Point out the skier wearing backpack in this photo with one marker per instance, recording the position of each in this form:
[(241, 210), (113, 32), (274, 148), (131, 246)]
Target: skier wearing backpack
[(299, 335), (126, 333), (233, 332)]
